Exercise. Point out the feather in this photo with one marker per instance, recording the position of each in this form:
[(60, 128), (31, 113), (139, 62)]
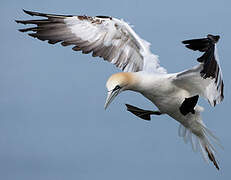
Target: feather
[(107, 37)]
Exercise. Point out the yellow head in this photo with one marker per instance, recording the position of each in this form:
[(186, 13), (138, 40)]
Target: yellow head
[(116, 84)]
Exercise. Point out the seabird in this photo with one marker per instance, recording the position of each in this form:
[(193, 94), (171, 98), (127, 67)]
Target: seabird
[(174, 94)]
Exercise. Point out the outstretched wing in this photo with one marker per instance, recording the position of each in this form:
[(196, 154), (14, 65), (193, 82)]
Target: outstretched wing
[(107, 37), (206, 78)]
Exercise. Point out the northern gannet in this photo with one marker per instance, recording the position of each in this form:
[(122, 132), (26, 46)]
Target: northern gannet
[(174, 94)]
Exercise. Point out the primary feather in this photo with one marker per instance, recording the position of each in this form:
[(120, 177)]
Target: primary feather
[(106, 37)]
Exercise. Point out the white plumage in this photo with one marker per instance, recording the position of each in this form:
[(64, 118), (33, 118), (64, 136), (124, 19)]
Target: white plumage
[(173, 94)]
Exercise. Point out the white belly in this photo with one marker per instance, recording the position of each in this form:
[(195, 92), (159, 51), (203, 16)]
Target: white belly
[(170, 101), (165, 95)]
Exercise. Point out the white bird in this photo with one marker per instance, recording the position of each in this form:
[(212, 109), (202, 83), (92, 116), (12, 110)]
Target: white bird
[(175, 94)]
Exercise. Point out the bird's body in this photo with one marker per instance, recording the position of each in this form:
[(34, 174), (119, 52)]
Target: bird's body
[(163, 93), (174, 94), (158, 88)]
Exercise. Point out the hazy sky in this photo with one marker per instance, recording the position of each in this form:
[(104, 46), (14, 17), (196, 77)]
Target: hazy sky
[(52, 121)]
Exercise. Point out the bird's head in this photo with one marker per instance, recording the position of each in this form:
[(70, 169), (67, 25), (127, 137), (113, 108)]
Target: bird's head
[(116, 84)]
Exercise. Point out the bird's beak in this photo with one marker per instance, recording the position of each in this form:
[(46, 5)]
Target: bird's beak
[(110, 97)]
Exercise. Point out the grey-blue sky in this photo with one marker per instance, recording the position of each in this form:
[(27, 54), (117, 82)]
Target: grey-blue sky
[(53, 125)]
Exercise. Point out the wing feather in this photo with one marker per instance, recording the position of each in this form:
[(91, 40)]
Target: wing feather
[(206, 78), (106, 37)]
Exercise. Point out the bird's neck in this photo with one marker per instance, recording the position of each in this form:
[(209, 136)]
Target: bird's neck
[(147, 82), (135, 81)]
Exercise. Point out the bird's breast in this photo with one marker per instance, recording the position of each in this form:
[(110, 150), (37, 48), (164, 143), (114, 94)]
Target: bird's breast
[(163, 93)]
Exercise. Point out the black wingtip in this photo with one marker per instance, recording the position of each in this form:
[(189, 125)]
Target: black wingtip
[(202, 44), (28, 12), (25, 11), (21, 30), (32, 13), (184, 42), (213, 38), (32, 35), (17, 21)]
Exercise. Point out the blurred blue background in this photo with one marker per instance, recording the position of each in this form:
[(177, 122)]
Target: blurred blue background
[(52, 121)]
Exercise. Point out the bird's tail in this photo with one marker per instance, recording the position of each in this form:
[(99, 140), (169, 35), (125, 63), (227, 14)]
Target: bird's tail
[(201, 141)]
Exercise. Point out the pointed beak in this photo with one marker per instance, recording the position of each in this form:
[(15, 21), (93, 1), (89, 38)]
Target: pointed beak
[(110, 97)]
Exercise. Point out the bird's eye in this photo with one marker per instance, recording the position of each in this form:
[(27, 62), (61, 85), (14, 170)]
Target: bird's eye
[(116, 88)]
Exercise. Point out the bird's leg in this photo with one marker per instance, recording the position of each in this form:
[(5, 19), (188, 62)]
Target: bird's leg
[(141, 113)]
